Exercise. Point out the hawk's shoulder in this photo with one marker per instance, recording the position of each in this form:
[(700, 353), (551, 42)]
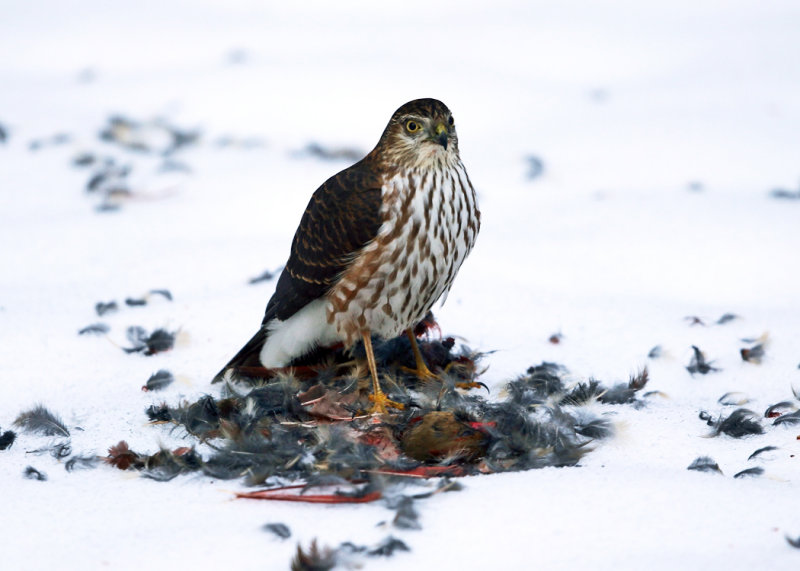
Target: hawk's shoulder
[(343, 215)]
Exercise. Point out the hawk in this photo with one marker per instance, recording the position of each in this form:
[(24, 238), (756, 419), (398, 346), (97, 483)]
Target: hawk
[(379, 243)]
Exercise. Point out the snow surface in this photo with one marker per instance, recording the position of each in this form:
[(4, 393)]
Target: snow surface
[(662, 128)]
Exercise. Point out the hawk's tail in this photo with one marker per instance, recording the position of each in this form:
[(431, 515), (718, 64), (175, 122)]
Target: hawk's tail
[(248, 356)]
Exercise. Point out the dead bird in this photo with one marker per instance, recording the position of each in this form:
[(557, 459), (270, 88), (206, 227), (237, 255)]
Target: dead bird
[(440, 435)]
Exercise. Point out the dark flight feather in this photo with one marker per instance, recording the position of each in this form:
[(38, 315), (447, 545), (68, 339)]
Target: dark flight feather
[(342, 217), (39, 420), (7, 439), (704, 464), (32, 473), (158, 381)]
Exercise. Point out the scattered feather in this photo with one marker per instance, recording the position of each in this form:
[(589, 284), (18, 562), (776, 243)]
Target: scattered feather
[(279, 529), (122, 457), (158, 381), (704, 464), (788, 419), (165, 293), (314, 559), (535, 167), (7, 439), (39, 420), (761, 451), (32, 473), (319, 151), (406, 516), (387, 547), (149, 343), (779, 409), (655, 352), (135, 302), (741, 422), (750, 472), (794, 542), (698, 364), (753, 354), (731, 399), (105, 307), (95, 329), (81, 463), (265, 276), (727, 318)]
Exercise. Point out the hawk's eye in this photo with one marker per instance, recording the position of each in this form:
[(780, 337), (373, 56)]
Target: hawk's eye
[(450, 121), (413, 126)]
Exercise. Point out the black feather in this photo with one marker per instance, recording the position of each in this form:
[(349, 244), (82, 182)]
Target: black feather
[(704, 464), (39, 420), (741, 422), (32, 473), (95, 329), (158, 381), (280, 529), (698, 364), (788, 419), (81, 463), (165, 293), (7, 439), (761, 451), (149, 343), (749, 472), (102, 307), (387, 547)]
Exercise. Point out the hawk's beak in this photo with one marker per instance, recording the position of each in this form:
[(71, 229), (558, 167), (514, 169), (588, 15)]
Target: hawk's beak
[(442, 134)]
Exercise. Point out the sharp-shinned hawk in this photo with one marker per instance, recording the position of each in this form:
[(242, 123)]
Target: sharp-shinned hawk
[(379, 243)]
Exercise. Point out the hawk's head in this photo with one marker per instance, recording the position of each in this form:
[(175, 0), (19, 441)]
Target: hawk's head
[(422, 133)]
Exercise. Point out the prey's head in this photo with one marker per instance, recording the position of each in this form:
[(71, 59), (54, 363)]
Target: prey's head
[(422, 134)]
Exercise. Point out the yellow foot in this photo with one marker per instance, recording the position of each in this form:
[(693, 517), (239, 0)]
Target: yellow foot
[(422, 372), (380, 404), (467, 385)]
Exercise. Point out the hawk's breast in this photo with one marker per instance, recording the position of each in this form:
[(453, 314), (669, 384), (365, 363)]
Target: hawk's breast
[(430, 222)]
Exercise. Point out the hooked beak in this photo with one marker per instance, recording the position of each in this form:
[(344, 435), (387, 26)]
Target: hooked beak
[(442, 135)]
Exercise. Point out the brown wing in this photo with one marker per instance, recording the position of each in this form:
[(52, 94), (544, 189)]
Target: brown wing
[(341, 218)]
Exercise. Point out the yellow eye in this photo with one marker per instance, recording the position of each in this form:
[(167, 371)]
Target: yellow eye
[(413, 126)]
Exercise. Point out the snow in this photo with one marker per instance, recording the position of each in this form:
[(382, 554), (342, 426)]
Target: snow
[(627, 105)]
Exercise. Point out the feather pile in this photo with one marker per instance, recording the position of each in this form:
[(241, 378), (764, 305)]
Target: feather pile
[(310, 422)]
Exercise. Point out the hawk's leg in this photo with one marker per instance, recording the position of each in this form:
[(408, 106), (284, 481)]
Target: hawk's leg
[(378, 397), (422, 371)]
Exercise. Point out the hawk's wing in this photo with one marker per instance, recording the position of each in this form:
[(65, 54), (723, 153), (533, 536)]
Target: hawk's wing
[(342, 217)]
